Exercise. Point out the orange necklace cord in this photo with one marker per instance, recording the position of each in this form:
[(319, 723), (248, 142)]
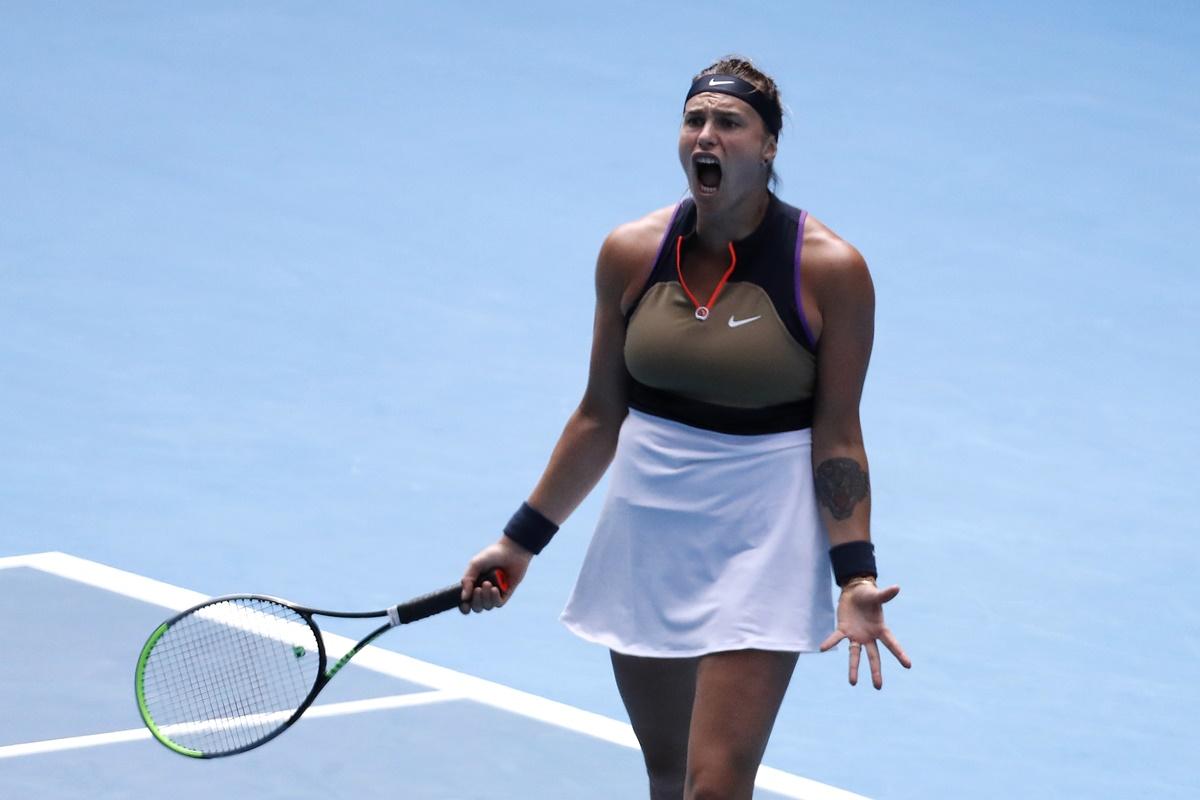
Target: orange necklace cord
[(702, 310)]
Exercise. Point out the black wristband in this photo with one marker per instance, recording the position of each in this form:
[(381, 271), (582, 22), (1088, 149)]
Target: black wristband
[(530, 529), (852, 559)]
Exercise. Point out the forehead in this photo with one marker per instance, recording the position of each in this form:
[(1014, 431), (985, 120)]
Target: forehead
[(717, 103)]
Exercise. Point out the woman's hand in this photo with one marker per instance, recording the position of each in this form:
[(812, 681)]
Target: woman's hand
[(506, 555), (860, 619)]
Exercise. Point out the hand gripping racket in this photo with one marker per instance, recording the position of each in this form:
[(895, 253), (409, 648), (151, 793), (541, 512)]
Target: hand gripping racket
[(235, 672)]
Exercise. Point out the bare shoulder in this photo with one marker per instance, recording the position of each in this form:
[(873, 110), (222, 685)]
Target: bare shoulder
[(832, 266), (638, 239), (626, 255)]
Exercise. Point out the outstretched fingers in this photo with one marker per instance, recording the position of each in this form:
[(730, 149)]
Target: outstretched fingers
[(890, 641), (887, 594), (876, 665), (861, 614), (831, 641)]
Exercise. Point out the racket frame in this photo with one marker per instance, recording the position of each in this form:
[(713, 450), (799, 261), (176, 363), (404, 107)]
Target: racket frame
[(399, 614), (319, 682)]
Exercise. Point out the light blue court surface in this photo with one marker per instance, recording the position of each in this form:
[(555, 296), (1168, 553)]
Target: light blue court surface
[(296, 298), (425, 731)]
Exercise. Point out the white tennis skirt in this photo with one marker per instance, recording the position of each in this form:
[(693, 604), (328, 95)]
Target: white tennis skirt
[(706, 542)]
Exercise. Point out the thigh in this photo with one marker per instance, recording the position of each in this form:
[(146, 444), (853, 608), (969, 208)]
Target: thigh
[(658, 694), (738, 694)]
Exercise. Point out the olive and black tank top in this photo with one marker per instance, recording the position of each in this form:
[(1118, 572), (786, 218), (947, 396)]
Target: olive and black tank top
[(750, 366)]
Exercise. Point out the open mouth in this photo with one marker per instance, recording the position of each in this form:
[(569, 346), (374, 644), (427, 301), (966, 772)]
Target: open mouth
[(708, 173)]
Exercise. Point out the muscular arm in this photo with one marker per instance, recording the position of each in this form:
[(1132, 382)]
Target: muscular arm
[(589, 439), (845, 296)]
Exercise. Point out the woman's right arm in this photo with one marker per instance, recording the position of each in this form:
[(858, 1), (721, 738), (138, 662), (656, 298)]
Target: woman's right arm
[(588, 441)]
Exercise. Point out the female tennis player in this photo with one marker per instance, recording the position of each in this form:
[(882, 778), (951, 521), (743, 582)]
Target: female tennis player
[(731, 339)]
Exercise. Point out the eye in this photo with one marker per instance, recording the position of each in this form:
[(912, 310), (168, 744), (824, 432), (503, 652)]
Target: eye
[(693, 120)]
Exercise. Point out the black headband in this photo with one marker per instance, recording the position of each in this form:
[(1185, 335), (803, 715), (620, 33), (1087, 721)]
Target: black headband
[(743, 90)]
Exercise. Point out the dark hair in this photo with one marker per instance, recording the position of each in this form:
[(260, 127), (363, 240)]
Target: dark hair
[(744, 68)]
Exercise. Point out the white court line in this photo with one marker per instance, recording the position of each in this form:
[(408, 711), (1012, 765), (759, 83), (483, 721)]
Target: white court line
[(406, 668), (324, 710)]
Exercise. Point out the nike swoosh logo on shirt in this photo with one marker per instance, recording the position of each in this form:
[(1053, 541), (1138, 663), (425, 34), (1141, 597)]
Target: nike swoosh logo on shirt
[(715, 82), (734, 323)]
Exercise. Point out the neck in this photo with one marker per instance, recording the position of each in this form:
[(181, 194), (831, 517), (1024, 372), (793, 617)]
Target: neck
[(717, 228)]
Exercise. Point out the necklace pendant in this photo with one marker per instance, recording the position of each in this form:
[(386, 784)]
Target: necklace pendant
[(702, 313)]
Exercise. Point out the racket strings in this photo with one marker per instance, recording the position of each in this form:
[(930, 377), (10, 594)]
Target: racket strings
[(230, 674)]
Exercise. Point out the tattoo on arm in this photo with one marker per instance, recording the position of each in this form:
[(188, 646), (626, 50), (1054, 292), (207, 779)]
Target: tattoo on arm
[(841, 484)]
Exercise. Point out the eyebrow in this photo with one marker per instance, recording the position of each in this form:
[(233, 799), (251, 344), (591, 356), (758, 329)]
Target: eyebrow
[(715, 112)]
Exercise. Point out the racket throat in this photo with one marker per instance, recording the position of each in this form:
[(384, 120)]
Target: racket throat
[(341, 662), (353, 651)]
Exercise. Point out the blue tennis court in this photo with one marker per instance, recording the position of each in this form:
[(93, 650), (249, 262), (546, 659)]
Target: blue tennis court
[(393, 722), (296, 299)]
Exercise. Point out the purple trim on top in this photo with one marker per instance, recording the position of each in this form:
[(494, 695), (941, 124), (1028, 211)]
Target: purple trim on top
[(812, 343), (661, 246), (666, 234)]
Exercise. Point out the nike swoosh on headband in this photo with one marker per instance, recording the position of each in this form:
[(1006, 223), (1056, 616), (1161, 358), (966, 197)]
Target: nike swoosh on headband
[(766, 108)]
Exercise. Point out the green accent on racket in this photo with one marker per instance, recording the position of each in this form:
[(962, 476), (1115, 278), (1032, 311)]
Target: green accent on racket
[(234, 672)]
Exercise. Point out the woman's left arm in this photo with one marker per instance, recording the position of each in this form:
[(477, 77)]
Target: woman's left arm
[(841, 286)]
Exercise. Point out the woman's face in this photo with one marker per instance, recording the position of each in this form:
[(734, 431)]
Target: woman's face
[(722, 145)]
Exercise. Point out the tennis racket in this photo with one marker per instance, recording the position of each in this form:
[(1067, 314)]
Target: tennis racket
[(235, 672)]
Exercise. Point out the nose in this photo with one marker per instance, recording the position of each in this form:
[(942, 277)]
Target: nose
[(707, 134)]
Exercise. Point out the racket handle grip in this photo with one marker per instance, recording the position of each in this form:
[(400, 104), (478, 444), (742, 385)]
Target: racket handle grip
[(446, 599)]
